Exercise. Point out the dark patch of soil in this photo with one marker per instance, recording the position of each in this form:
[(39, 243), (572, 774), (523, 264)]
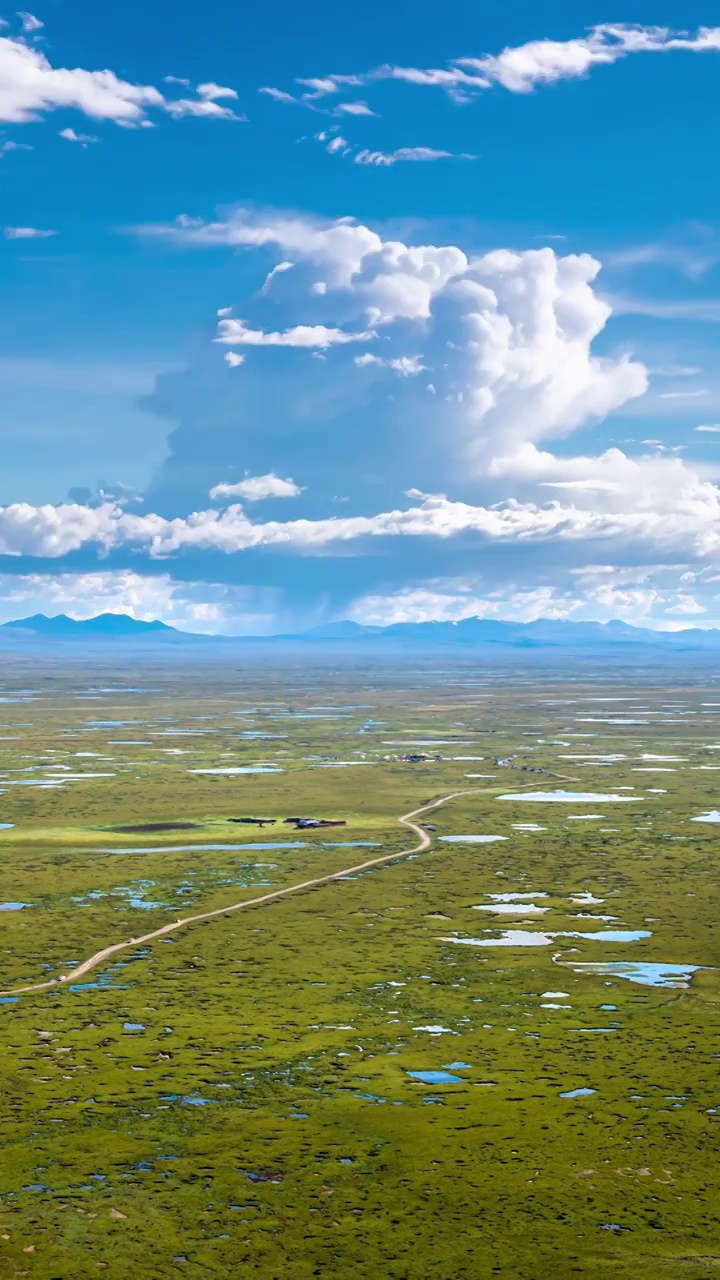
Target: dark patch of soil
[(157, 826)]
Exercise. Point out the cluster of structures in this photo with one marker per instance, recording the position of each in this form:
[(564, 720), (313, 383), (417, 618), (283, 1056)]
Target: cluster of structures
[(300, 824), (522, 768), (303, 824)]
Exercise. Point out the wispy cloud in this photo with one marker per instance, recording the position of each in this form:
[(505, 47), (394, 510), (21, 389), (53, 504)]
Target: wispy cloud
[(84, 139), (522, 68), (27, 233), (683, 395), (10, 145), (700, 309), (30, 23), (406, 366), (336, 144), (692, 257), (236, 333), (421, 155), (354, 109), (280, 95)]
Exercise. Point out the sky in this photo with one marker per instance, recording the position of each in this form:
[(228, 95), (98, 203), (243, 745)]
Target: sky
[(393, 314)]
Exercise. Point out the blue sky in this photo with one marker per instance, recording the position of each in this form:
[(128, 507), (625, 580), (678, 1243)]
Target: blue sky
[(397, 314)]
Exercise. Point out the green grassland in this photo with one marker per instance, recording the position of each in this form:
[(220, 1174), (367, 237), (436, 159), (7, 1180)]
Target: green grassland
[(237, 1099)]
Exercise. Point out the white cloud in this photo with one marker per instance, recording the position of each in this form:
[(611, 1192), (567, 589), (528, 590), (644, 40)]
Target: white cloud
[(646, 596), (508, 334), (520, 354), (10, 145), (683, 395), (337, 247), (451, 601), (277, 270), (523, 68), (71, 136), (643, 597), (690, 259), (704, 310), (686, 605), (30, 87), (207, 607), (336, 144), (406, 366), (234, 359), (84, 595), (354, 109), (27, 233), (684, 515), (236, 333), (401, 154), (181, 107), (30, 22), (676, 370), (319, 87), (715, 427), (542, 62), (212, 90), (256, 488), (278, 94)]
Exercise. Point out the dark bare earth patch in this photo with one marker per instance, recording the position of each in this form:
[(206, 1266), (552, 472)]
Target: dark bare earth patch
[(157, 826)]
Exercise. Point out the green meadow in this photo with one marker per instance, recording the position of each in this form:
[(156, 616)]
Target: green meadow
[(498, 1057)]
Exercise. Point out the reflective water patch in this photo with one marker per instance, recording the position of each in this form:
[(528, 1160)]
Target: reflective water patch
[(471, 839), (435, 1077), (570, 797), (647, 974)]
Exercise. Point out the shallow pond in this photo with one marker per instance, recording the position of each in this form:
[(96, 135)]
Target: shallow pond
[(233, 772), (436, 1077), (647, 974), (471, 839), (570, 797), (525, 938)]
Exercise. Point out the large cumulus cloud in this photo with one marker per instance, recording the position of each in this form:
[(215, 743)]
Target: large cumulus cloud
[(500, 348), (420, 402)]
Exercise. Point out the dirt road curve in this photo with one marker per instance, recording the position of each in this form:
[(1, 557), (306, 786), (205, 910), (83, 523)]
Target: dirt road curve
[(100, 956)]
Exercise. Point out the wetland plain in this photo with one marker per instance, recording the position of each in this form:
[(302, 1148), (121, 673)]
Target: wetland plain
[(497, 1056)]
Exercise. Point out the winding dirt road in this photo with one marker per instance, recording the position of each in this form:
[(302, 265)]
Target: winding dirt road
[(100, 956)]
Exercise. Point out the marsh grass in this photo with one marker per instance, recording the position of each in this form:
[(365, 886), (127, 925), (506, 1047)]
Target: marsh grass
[(263, 1120)]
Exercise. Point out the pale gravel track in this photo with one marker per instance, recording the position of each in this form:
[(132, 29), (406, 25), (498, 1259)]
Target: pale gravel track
[(406, 820)]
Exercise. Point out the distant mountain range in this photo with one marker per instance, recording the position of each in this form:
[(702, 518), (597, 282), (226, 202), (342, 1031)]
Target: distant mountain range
[(105, 624), (543, 634)]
